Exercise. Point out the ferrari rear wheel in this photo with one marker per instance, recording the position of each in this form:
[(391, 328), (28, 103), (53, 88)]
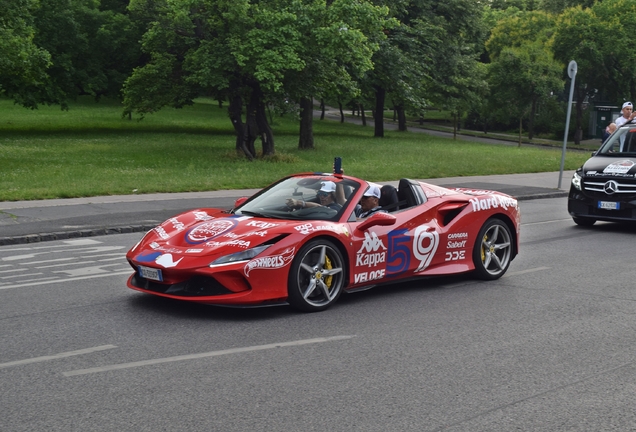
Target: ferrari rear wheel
[(493, 250), (316, 277)]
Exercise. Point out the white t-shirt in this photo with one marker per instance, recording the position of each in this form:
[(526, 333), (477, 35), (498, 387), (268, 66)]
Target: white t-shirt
[(620, 121)]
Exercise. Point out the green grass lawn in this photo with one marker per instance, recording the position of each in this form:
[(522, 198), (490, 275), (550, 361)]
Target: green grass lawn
[(91, 150)]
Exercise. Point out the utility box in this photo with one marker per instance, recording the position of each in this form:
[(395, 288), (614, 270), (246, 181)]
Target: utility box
[(602, 115)]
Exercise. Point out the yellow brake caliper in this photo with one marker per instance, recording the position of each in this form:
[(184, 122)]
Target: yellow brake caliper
[(328, 266), (483, 249)]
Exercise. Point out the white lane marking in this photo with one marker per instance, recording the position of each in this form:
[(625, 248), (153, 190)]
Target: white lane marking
[(56, 356), (202, 355), (48, 261), (21, 275), (82, 242), (70, 243), (546, 222), (65, 264), (85, 271), (532, 270), (33, 280), (70, 279), (118, 258), (105, 255), (11, 271)]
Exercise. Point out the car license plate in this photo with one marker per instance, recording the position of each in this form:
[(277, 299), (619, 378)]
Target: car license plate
[(608, 205), (150, 273)]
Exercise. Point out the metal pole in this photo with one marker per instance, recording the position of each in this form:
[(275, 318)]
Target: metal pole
[(572, 74)]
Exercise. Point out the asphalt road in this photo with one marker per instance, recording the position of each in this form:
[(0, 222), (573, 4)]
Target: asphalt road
[(548, 347)]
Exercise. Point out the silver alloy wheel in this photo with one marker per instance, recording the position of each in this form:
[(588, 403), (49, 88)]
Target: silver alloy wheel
[(493, 250), (316, 277)]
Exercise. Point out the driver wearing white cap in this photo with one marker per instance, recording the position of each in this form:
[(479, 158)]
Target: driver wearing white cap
[(326, 197)]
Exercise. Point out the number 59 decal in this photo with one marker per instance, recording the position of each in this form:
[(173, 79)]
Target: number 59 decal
[(425, 242)]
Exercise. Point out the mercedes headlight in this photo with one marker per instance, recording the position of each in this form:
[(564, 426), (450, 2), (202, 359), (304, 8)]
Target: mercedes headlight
[(576, 181)]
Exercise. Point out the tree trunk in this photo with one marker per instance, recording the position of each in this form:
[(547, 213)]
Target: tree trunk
[(342, 118), (578, 129), (235, 113), (401, 116), (380, 94), (520, 130), (306, 138), (263, 128), (322, 109), (454, 125), (533, 112), (364, 117)]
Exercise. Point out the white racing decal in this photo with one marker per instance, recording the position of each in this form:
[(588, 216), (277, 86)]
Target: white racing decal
[(201, 216), (425, 243), (456, 244), (270, 262), (162, 233), (369, 276), (494, 201), (455, 255), (262, 225), (239, 243), (461, 235), (369, 254), (167, 261), (176, 224), (307, 228), (207, 230)]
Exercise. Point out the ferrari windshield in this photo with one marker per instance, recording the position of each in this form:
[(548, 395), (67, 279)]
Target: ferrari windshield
[(297, 198), (621, 142)]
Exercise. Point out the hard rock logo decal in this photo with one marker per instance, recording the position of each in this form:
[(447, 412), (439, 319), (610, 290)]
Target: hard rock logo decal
[(208, 230), (620, 167), (270, 262)]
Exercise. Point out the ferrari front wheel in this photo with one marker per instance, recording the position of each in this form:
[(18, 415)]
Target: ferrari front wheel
[(316, 276), (493, 250)]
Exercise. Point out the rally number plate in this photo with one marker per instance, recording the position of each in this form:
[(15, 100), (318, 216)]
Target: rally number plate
[(150, 273), (608, 205)]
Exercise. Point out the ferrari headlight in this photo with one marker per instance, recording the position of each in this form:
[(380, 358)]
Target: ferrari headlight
[(245, 255), (576, 181)]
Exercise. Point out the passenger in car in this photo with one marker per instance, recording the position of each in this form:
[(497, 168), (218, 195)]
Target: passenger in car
[(628, 115)]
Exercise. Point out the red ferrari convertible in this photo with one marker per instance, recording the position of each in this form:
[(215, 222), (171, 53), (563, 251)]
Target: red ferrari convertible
[(264, 251)]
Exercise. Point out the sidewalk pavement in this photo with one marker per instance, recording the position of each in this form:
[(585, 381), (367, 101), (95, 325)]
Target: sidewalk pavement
[(36, 221)]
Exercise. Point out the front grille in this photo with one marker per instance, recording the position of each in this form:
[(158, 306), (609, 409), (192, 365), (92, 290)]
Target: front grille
[(625, 189), (198, 286)]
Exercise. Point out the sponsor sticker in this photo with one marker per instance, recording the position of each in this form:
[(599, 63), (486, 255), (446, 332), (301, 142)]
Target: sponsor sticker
[(493, 201), (208, 230), (372, 252), (620, 167), (270, 262)]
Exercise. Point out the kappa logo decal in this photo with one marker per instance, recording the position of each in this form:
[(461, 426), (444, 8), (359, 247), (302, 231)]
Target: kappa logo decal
[(208, 230)]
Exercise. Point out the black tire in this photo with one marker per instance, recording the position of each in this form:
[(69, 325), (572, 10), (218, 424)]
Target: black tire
[(316, 277), (493, 248), (585, 222)]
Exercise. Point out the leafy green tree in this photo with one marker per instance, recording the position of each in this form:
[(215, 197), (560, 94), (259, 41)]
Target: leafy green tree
[(22, 63), (558, 6), (92, 50), (528, 74), (599, 40), (520, 78)]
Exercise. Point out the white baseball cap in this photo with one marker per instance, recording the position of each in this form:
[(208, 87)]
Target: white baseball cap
[(373, 191), (328, 186), (627, 104)]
